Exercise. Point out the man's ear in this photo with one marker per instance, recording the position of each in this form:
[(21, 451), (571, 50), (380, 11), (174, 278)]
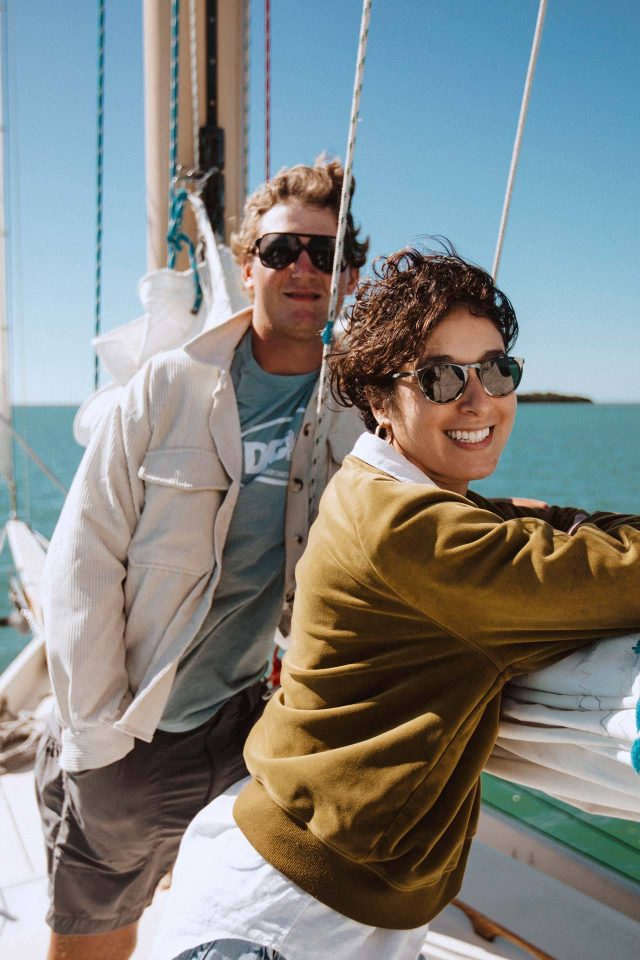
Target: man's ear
[(353, 275), (247, 274)]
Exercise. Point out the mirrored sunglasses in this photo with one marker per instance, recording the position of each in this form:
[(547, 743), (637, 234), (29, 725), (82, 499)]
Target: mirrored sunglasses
[(280, 250), (445, 382)]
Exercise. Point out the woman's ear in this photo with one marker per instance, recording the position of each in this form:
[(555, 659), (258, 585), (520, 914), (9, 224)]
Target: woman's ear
[(378, 406), (384, 427)]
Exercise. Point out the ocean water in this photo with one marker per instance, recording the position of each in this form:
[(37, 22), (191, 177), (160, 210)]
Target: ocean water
[(48, 431), (580, 454)]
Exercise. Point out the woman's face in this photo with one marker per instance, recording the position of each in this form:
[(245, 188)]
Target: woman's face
[(428, 434)]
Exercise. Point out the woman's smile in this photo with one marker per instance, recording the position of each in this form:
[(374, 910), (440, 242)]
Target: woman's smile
[(478, 438)]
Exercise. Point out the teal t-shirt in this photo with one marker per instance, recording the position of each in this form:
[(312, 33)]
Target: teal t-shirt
[(234, 644)]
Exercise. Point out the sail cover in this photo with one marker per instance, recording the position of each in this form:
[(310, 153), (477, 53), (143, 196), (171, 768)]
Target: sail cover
[(167, 298)]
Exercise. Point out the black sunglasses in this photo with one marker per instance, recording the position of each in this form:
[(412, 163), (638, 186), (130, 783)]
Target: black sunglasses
[(445, 382), (280, 250)]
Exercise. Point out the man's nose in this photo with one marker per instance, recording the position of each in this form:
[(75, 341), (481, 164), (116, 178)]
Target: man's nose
[(303, 263)]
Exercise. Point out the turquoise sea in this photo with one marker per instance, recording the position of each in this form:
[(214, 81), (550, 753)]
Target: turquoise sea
[(579, 454), (584, 455)]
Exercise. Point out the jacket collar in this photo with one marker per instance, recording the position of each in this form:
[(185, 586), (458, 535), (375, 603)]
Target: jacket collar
[(217, 345), (381, 455)]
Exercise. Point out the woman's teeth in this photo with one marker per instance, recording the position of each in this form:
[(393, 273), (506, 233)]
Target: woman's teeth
[(469, 436)]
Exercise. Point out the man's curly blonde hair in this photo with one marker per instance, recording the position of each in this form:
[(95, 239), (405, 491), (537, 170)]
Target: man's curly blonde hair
[(319, 186)]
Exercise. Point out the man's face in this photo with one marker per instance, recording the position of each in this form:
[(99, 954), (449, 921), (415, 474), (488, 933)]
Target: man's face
[(292, 304)]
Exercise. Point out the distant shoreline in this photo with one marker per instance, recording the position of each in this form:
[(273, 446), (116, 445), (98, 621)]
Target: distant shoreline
[(551, 398)]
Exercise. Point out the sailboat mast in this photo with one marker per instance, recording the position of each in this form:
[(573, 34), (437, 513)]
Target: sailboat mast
[(226, 23), (6, 439)]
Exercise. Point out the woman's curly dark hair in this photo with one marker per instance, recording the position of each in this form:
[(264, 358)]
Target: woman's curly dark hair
[(396, 311)]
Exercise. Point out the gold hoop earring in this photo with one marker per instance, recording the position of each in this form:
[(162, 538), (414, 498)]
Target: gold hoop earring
[(384, 432)]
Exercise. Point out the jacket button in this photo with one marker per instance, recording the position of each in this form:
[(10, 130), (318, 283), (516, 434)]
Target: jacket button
[(297, 484), (289, 596), (306, 429), (299, 538)]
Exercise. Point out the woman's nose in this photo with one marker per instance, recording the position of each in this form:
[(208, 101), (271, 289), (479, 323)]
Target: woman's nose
[(475, 397)]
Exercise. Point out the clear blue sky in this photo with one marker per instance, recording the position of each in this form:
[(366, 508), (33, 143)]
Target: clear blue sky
[(441, 96)]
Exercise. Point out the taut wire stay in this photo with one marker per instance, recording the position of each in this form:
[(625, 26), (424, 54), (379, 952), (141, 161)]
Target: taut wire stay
[(99, 184), (49, 474), (267, 89), (515, 156)]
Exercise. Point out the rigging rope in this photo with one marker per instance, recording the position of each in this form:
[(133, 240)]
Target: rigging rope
[(195, 101), (7, 217), (345, 199), (267, 89), (176, 239), (246, 26), (99, 184), (34, 456), (173, 102), (533, 59)]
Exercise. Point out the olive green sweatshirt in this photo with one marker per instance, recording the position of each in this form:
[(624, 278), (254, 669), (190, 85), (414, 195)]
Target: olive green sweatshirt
[(414, 607)]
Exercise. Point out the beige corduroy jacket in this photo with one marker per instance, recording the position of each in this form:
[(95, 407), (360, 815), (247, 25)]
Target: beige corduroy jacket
[(135, 558)]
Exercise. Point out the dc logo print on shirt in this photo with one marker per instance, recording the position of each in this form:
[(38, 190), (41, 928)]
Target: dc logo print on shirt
[(267, 460)]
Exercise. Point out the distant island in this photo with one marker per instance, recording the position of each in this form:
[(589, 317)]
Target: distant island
[(551, 398)]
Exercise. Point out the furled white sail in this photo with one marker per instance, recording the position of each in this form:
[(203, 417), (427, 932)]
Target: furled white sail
[(167, 298), (571, 729)]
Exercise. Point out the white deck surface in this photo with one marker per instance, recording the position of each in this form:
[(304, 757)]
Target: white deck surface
[(559, 920)]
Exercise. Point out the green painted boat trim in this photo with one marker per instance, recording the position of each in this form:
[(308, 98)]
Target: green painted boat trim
[(613, 843)]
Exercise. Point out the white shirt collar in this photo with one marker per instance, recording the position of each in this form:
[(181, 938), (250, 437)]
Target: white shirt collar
[(381, 455)]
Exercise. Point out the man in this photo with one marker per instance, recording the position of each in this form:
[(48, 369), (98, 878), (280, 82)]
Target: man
[(173, 564)]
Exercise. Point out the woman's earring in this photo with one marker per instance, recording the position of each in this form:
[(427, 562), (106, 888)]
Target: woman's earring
[(384, 432)]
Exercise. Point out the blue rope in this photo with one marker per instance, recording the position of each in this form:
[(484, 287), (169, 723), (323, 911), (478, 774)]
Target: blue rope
[(176, 240), (99, 183), (635, 746), (327, 334)]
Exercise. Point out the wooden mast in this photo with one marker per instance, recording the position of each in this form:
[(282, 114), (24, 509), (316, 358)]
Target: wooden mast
[(231, 57)]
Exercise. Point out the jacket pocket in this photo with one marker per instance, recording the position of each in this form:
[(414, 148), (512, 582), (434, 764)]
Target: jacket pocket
[(184, 489)]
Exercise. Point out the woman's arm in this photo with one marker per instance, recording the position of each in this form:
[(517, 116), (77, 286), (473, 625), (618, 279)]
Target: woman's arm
[(521, 590), (561, 518)]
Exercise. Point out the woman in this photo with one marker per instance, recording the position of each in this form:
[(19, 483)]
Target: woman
[(417, 600)]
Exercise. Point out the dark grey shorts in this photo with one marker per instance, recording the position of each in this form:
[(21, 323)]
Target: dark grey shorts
[(112, 833)]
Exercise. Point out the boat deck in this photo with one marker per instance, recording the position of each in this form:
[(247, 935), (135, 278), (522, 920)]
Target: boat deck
[(562, 922)]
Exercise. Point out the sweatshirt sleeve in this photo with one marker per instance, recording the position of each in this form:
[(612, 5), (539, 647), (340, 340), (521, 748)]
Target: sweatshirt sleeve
[(85, 572), (520, 590), (562, 518)]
